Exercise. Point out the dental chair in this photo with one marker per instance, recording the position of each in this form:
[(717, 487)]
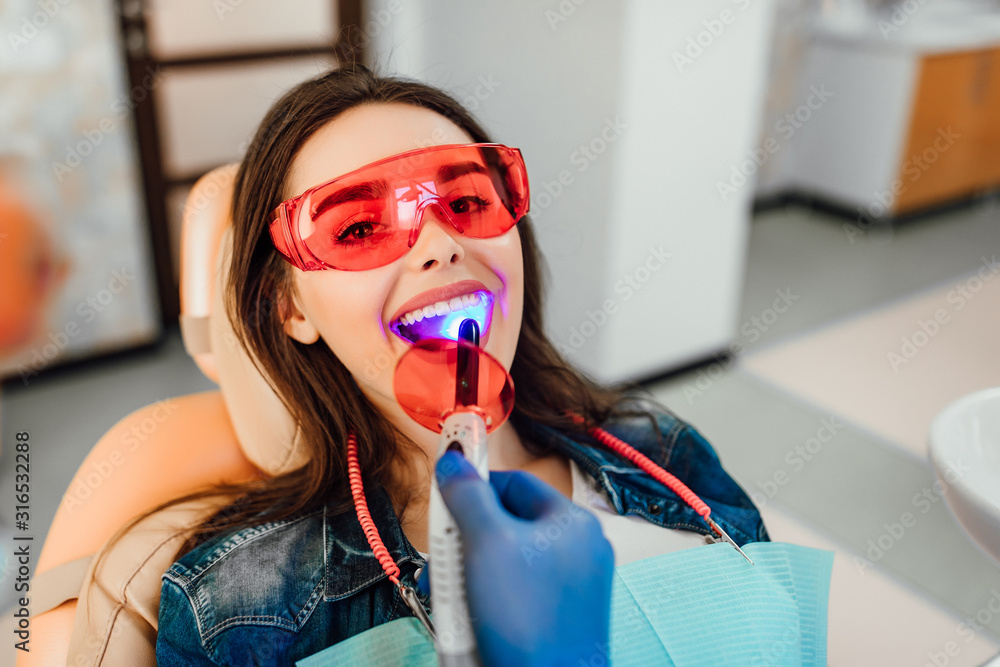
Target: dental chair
[(83, 615)]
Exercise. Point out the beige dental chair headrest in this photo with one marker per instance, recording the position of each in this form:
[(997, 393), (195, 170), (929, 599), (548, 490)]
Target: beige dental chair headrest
[(265, 429)]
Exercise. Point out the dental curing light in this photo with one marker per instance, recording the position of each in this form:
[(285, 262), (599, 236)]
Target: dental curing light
[(458, 390)]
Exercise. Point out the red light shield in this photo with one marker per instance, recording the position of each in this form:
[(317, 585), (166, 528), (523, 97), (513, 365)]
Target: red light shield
[(424, 383)]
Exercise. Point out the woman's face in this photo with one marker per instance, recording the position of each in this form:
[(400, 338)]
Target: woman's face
[(351, 311)]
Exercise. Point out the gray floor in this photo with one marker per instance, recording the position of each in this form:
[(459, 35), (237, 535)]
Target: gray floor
[(837, 272), (857, 483)]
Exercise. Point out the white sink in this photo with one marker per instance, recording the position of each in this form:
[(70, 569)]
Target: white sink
[(965, 453)]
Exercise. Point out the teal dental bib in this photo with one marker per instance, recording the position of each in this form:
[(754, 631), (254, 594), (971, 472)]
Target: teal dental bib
[(701, 606)]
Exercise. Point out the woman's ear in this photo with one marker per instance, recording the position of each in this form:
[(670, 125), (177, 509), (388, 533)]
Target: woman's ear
[(295, 322)]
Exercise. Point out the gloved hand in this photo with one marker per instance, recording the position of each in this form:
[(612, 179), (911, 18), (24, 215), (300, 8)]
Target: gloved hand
[(537, 567)]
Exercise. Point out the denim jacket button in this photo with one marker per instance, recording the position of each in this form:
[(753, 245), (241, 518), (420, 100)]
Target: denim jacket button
[(654, 508)]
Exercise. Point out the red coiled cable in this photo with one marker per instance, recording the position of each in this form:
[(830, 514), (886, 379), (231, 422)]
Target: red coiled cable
[(364, 516), (621, 447), (614, 443)]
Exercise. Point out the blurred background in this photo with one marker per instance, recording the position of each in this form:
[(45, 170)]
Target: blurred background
[(781, 216)]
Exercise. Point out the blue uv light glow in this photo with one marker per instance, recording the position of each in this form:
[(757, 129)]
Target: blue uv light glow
[(446, 326)]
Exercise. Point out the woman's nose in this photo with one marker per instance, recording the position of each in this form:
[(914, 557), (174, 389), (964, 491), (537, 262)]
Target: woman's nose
[(435, 243)]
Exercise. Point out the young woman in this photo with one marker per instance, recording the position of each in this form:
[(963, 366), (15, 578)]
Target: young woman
[(366, 210)]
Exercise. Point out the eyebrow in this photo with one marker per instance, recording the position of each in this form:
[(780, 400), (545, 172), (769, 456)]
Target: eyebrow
[(450, 172), (373, 190), (368, 191)]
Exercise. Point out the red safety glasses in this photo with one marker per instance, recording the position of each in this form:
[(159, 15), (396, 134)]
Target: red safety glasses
[(372, 216)]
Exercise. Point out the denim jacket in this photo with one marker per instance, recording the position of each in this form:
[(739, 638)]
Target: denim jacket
[(275, 593)]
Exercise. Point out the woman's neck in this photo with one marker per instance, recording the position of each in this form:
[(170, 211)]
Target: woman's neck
[(506, 452), (413, 470)]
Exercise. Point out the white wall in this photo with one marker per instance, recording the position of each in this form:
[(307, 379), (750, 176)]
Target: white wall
[(690, 124)]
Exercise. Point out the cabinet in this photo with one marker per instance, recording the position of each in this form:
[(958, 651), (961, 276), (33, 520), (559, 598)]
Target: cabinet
[(953, 145), (908, 126)]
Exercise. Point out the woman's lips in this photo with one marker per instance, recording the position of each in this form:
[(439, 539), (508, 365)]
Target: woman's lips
[(438, 294), (444, 320)]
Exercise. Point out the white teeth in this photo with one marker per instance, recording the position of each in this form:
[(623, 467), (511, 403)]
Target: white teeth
[(441, 308)]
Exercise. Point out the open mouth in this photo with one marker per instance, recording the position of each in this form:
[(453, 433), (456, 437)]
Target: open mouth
[(442, 319)]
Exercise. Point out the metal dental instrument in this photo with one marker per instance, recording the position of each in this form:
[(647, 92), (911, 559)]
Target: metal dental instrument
[(725, 536), (464, 430)]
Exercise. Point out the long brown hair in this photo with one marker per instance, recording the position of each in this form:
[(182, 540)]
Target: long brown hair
[(318, 390)]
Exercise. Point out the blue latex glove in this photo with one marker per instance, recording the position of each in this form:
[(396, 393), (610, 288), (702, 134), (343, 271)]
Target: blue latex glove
[(538, 568)]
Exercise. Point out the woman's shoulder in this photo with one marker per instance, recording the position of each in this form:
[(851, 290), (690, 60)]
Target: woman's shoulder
[(230, 541), (227, 576)]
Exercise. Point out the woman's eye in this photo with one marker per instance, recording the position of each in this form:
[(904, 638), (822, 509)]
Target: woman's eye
[(357, 231), (469, 204)]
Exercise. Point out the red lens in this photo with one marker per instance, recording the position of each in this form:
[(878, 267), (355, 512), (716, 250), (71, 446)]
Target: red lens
[(425, 376), (371, 216)]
